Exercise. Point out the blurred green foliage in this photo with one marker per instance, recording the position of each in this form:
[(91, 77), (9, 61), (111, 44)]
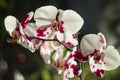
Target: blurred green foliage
[(3, 3)]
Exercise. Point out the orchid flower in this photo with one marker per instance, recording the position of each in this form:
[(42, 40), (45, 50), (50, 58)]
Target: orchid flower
[(93, 48), (57, 55), (56, 23), (66, 64), (71, 68), (53, 52), (20, 31)]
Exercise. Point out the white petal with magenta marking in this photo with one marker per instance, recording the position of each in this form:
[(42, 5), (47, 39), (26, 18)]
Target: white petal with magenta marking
[(30, 29), (102, 39), (96, 67), (90, 43)]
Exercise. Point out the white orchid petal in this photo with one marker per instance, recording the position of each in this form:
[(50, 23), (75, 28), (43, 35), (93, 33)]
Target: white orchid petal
[(90, 43), (71, 39), (36, 43), (65, 77), (102, 39), (30, 15), (25, 40), (72, 21), (26, 43), (45, 51), (58, 55), (58, 62), (96, 68), (112, 58), (45, 33), (26, 19), (45, 15), (60, 11), (10, 24), (60, 36), (67, 38), (55, 45), (30, 29)]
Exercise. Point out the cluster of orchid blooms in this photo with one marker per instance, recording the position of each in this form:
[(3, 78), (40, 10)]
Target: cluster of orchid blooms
[(54, 34)]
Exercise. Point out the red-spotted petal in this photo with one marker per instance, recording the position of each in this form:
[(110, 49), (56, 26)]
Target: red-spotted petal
[(26, 43), (90, 43), (96, 67), (30, 29), (26, 19), (78, 55), (103, 40), (67, 38), (45, 32), (71, 69)]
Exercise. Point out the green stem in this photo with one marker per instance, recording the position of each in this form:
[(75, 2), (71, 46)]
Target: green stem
[(78, 48)]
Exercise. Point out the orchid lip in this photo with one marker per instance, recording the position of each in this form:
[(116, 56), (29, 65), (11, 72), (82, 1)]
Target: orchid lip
[(56, 25), (98, 56)]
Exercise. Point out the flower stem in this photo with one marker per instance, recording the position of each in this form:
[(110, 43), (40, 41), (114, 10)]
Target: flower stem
[(68, 48), (78, 48)]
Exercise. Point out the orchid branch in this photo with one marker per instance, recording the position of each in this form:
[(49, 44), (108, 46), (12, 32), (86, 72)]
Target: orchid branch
[(78, 48), (16, 38), (68, 48)]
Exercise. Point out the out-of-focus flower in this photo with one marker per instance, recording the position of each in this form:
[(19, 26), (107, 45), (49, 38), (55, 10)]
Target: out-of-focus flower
[(20, 31), (93, 48), (58, 59), (46, 50), (50, 49), (64, 62), (18, 76), (54, 23), (71, 68), (3, 66)]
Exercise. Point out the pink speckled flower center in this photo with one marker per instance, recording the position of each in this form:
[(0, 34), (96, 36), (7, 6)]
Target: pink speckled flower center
[(57, 26), (98, 57)]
